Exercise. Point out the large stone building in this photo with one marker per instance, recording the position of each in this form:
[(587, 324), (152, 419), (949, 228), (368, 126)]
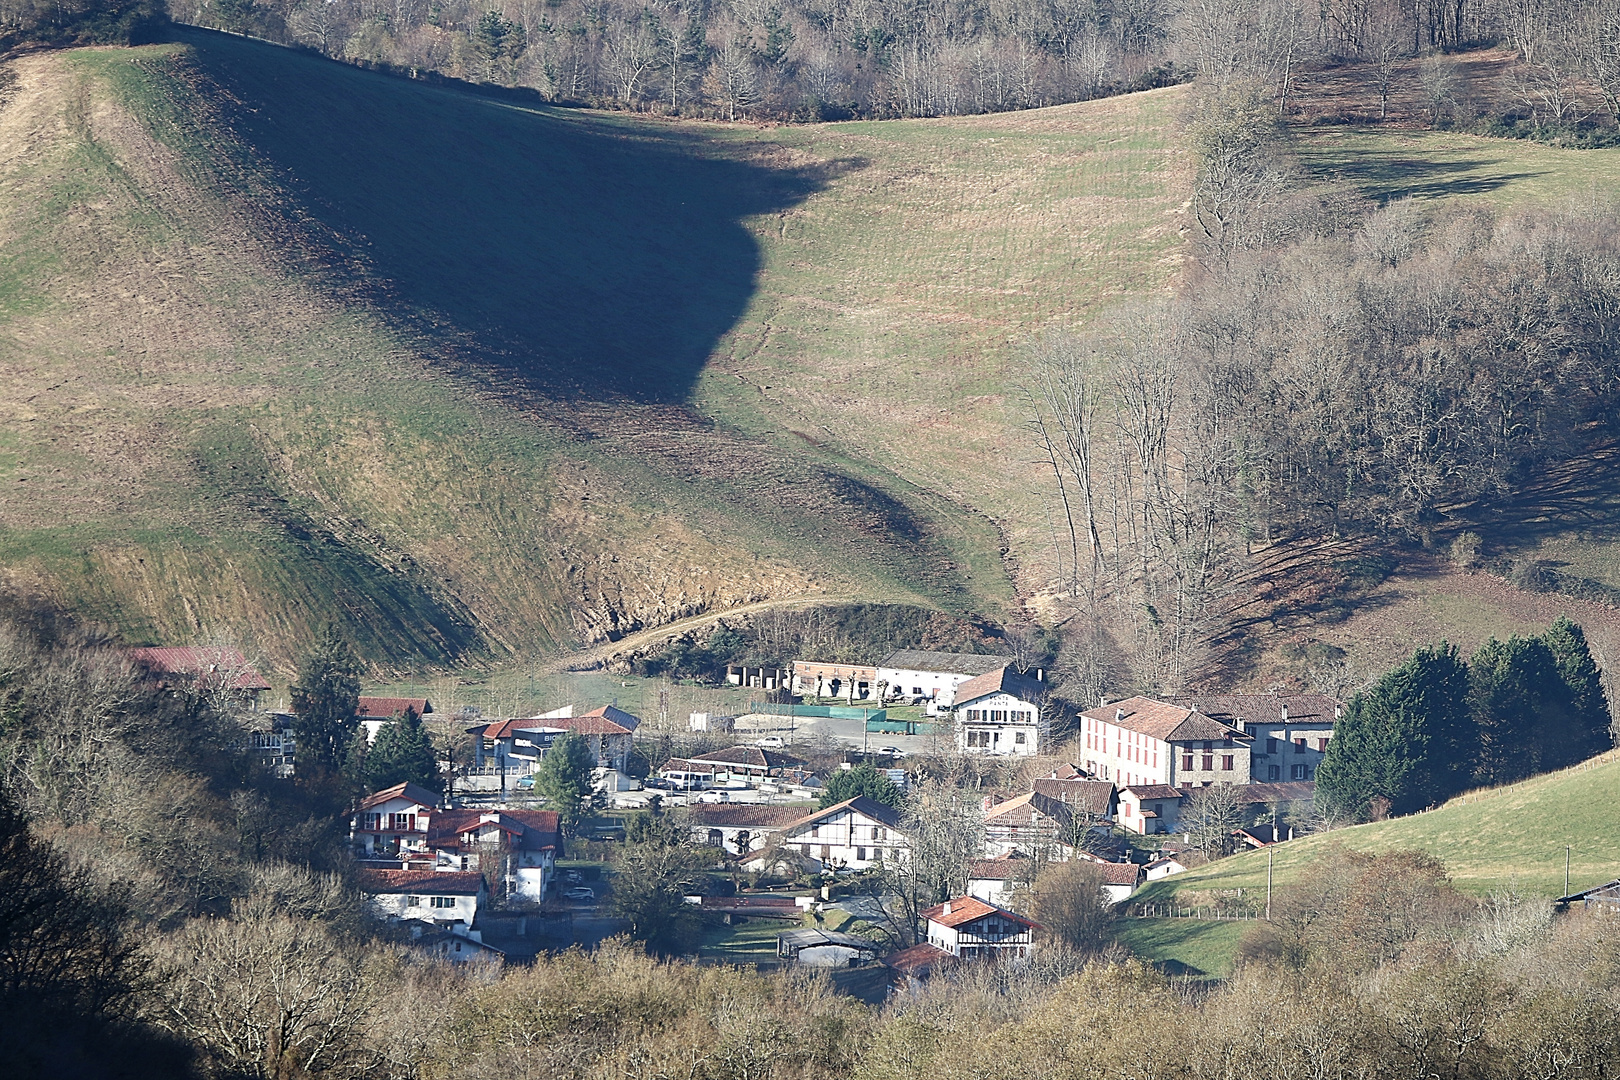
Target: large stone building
[(1140, 741), (1290, 732)]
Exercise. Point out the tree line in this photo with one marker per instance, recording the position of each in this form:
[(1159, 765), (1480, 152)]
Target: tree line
[(832, 59), (1437, 724)]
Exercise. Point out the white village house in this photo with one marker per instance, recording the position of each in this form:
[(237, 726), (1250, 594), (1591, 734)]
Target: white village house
[(518, 745), (374, 712), (448, 900), (1000, 712), (855, 834), (968, 928), (931, 677), (521, 847), (393, 823), (996, 881)]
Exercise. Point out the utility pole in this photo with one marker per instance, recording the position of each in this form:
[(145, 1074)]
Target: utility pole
[(1270, 855), (1566, 869)]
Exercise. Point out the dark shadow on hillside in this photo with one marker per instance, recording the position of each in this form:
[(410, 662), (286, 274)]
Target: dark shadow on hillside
[(1390, 177), (1582, 493), (595, 258)]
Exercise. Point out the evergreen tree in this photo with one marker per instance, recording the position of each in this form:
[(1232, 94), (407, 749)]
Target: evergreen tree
[(354, 758), (324, 701), (1522, 710), (402, 753), (564, 779), (1407, 740), (864, 779), (1593, 722)]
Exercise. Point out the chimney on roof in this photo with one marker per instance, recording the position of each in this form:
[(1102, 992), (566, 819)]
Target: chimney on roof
[(1284, 712), (1040, 674), (1338, 712), (947, 907), (1119, 714)]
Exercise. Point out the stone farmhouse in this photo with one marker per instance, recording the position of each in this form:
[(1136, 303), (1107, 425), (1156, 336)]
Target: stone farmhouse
[(852, 682)]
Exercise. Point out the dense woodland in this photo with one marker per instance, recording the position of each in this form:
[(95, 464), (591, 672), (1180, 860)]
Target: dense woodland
[(1330, 368), (831, 59)]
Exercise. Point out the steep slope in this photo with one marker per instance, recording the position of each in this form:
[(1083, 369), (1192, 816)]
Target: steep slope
[(285, 341), (1503, 838)]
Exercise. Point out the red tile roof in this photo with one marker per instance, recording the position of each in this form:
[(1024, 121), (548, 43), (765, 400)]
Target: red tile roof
[(1114, 873), (413, 792), (590, 725), (420, 882), (1001, 869), (1002, 680), (920, 959), (967, 909), (1162, 720), (200, 661), (386, 708), (1155, 791), (503, 729)]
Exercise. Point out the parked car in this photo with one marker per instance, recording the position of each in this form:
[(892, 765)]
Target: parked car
[(525, 783), (579, 892), (892, 751), (572, 877), (770, 742), (714, 797)]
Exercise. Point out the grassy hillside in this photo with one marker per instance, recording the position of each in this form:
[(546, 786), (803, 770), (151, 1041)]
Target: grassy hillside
[(1503, 838), (285, 341)]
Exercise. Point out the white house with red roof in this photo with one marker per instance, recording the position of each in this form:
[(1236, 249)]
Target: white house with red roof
[(1150, 808), (207, 666), (970, 929), (520, 744), (996, 880), (394, 822), (450, 901), (523, 844), (374, 712), (1000, 712)]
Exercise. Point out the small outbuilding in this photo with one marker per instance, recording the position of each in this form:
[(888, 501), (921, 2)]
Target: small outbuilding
[(824, 948)]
